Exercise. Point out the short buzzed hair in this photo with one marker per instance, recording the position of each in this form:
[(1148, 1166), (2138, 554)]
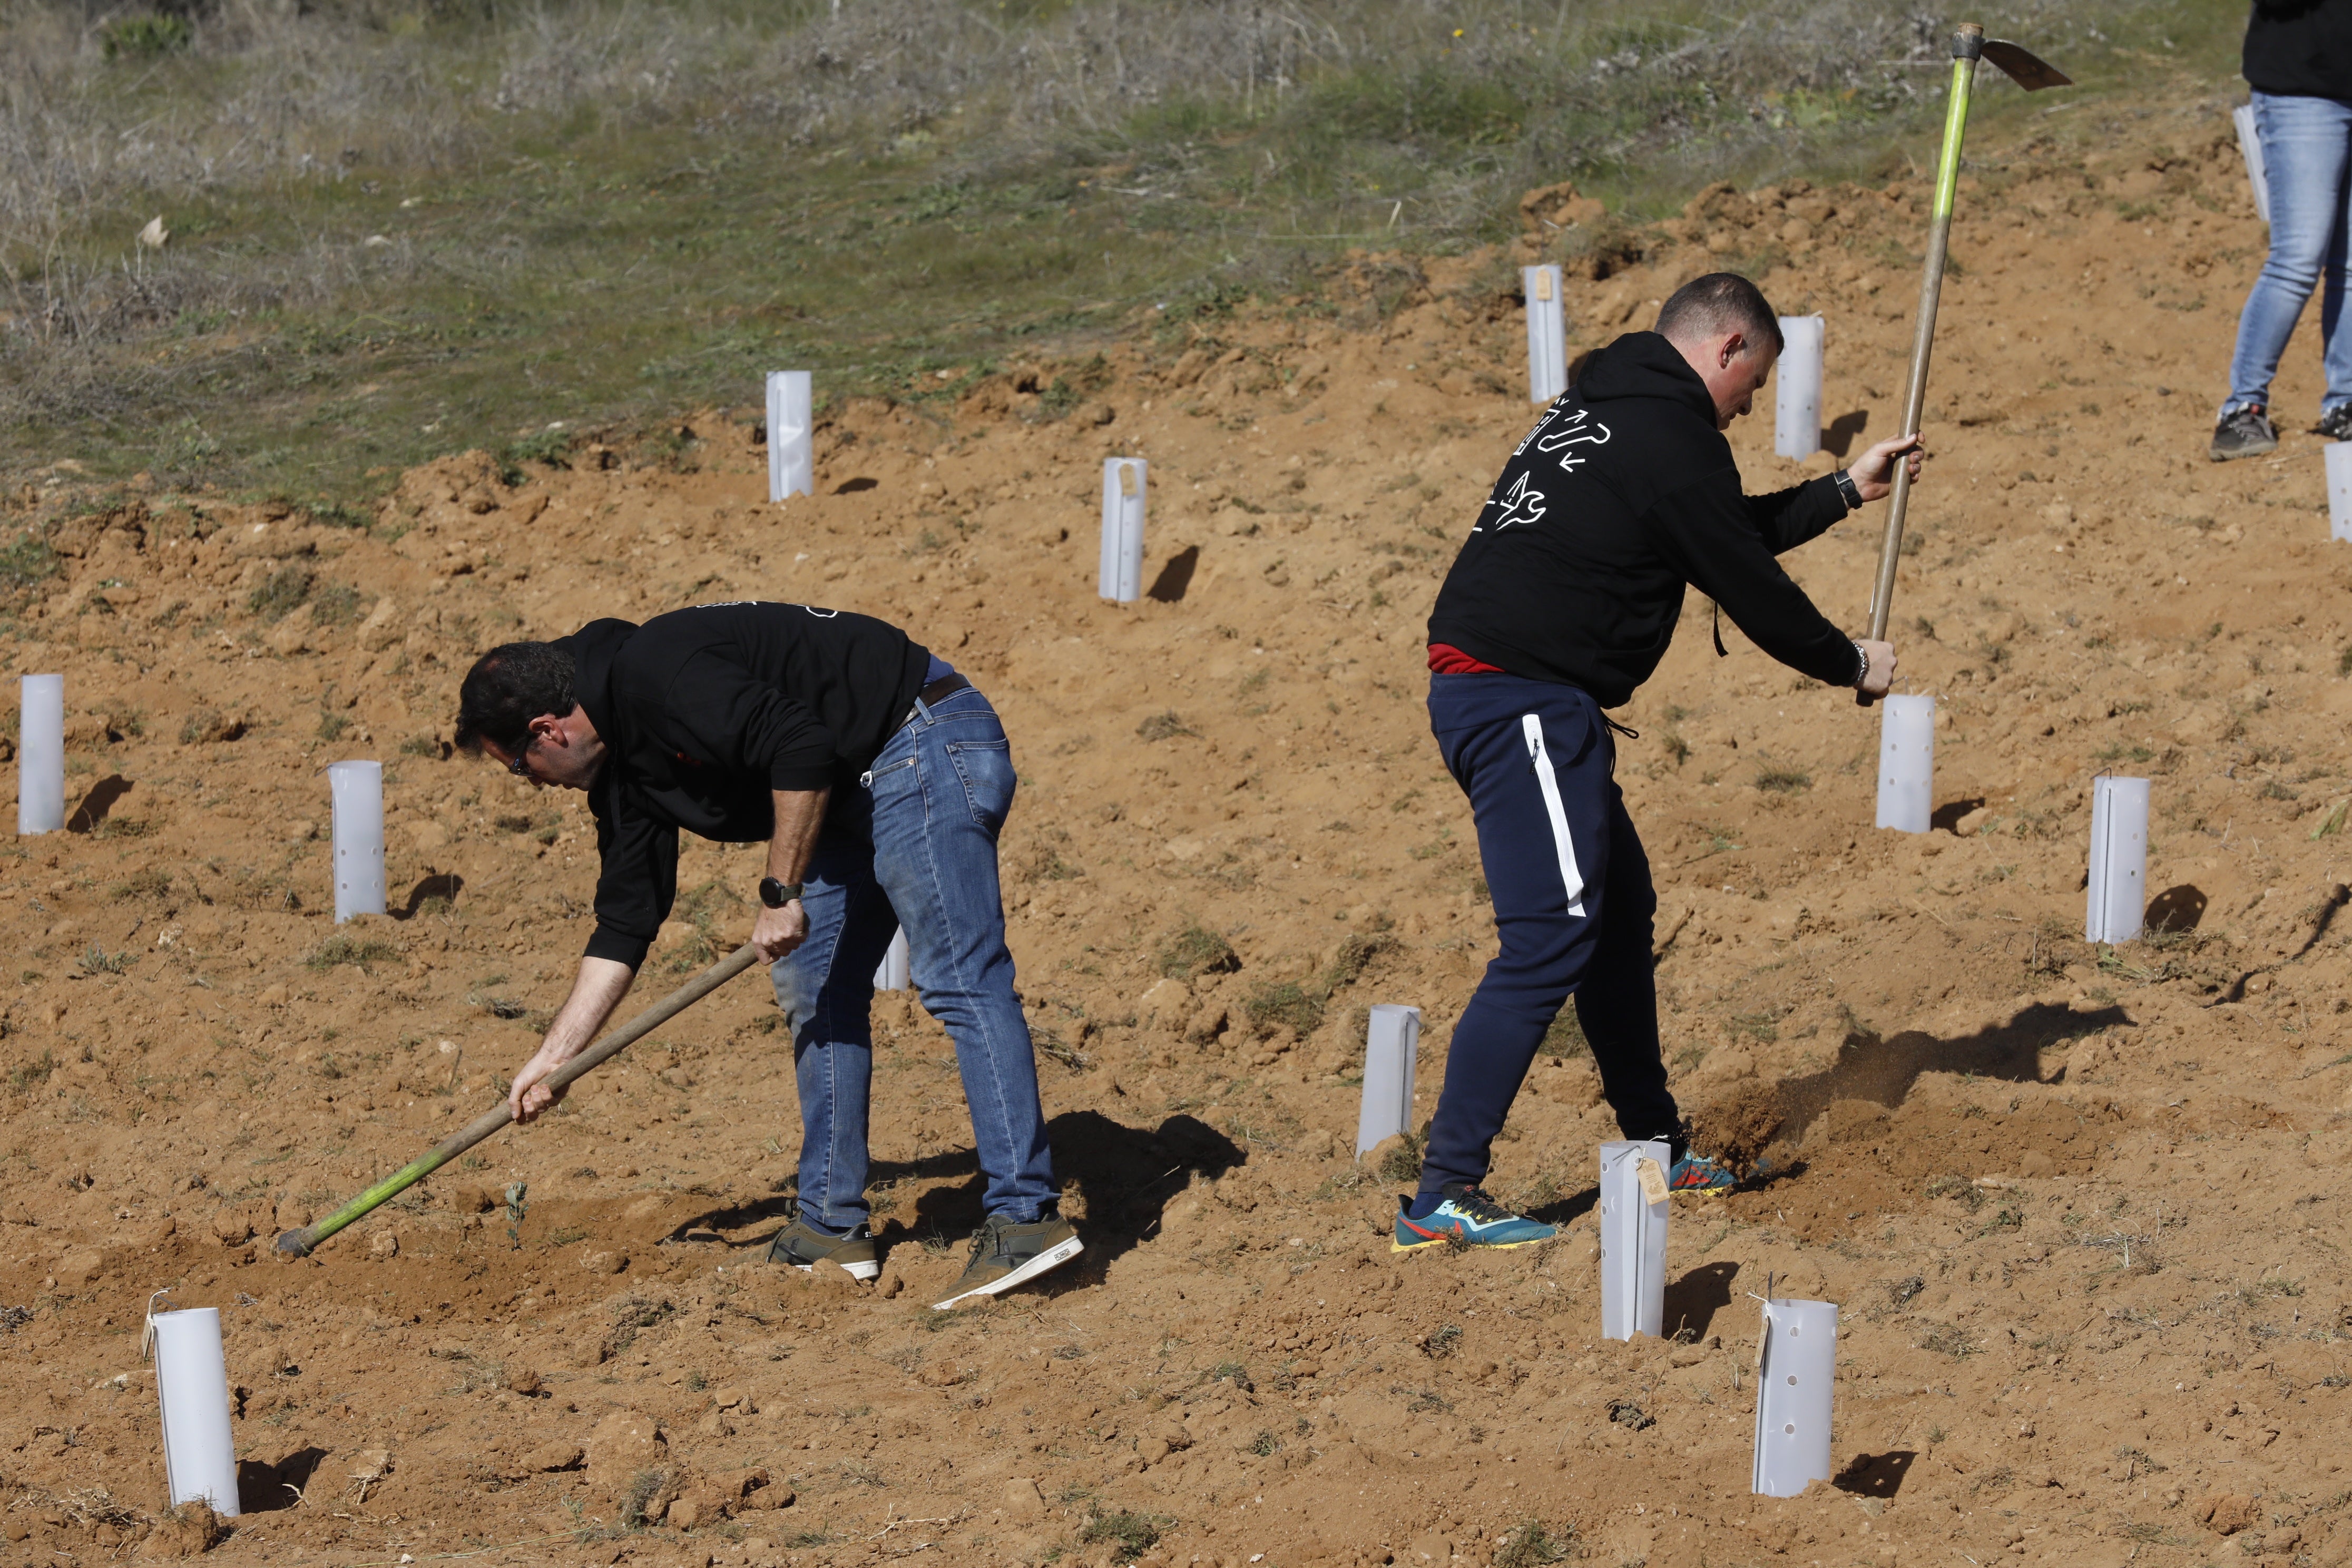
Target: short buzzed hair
[(1720, 302)]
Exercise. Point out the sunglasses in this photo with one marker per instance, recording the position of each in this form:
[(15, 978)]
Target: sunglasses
[(519, 763)]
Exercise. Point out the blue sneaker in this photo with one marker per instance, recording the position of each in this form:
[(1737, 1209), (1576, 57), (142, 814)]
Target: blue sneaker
[(1698, 1173), (1466, 1218)]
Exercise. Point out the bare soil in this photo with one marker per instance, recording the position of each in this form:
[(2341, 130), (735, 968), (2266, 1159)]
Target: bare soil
[(2075, 1203)]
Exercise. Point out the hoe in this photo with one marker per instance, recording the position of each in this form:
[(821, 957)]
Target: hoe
[(1968, 46)]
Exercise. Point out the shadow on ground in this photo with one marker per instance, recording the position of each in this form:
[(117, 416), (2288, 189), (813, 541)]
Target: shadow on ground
[(1882, 1070), (1875, 1475), (94, 805), (1692, 1301), (1116, 1179)]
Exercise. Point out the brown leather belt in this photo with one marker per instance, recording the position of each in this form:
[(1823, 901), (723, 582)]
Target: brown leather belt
[(944, 687)]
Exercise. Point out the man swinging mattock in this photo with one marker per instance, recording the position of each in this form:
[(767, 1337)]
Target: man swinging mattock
[(880, 778), (1562, 602)]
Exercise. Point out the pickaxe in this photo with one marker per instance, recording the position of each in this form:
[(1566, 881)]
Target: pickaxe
[(1968, 46)]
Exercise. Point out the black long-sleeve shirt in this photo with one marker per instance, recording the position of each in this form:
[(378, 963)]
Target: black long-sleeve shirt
[(2300, 48), (705, 713), (1623, 493)]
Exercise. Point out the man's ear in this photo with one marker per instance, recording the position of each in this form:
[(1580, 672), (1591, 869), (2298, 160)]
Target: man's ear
[(1733, 347), (548, 727)]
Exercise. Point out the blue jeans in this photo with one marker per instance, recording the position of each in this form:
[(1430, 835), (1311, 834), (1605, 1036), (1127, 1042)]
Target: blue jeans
[(1573, 908), (2306, 155), (914, 845)]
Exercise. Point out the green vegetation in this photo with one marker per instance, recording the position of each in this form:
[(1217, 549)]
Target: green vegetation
[(1132, 1533), (337, 950), (392, 229), (1534, 1543), (1196, 951)]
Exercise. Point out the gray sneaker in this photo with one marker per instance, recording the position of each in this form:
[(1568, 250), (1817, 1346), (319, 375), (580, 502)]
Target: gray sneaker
[(1004, 1255), (2243, 433), (802, 1245)]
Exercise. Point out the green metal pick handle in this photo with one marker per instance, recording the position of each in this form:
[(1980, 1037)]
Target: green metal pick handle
[(1968, 46), (300, 1242)]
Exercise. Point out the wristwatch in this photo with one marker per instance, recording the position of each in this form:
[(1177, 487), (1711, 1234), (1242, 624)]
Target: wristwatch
[(1848, 490), (1862, 676), (775, 894)]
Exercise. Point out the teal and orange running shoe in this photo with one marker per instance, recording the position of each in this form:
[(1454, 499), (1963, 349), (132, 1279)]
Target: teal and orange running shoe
[(1465, 1216), (1698, 1173)]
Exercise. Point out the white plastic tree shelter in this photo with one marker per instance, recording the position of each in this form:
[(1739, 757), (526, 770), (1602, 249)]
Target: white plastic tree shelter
[(191, 1386), (2249, 147), (41, 754), (792, 418), (1121, 578), (1392, 1040), (2118, 889), (1797, 407), (2339, 490), (893, 974), (1796, 1373), (1547, 333), (1907, 764), (1633, 1238), (358, 792)]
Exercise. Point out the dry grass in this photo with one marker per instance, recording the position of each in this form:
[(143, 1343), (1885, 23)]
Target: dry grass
[(391, 219)]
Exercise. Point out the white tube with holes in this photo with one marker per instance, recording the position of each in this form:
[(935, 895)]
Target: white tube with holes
[(358, 792), (2339, 490), (1797, 408), (1907, 764), (41, 754), (1121, 580), (1796, 1373), (892, 975), (192, 1384), (2250, 148), (1392, 1041), (792, 420), (1634, 1202), (2118, 880), (1547, 333)]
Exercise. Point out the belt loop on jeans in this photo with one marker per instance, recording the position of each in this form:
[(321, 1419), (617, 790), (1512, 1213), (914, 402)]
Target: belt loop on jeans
[(939, 690)]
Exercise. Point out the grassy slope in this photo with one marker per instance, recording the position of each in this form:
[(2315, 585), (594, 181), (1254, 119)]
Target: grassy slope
[(308, 333)]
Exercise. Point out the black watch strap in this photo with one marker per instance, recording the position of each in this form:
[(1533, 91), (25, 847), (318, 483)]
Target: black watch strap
[(775, 894), (1848, 490)]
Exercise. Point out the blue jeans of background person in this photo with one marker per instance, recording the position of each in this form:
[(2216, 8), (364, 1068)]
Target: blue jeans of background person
[(914, 845), (2307, 166), (1590, 940)]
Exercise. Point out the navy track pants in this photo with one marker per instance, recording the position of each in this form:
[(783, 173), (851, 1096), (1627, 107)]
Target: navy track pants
[(1573, 908)]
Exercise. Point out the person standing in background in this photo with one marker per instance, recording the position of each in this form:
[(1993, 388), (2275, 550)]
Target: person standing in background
[(2298, 61)]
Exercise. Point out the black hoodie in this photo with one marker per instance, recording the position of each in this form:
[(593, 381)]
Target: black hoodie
[(1623, 492), (2300, 48), (704, 713)]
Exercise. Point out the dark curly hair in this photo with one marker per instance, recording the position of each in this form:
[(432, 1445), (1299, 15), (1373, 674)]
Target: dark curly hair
[(506, 688)]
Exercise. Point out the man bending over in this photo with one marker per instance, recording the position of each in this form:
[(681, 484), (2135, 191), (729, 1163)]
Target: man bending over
[(880, 779), (1561, 603)]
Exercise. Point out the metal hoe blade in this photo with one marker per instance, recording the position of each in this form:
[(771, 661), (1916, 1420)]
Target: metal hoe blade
[(2023, 67)]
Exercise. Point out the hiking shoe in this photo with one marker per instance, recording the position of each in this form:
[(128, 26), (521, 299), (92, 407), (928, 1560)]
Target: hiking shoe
[(1698, 1174), (802, 1245), (2335, 424), (1467, 1217), (1005, 1254), (2243, 433)]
